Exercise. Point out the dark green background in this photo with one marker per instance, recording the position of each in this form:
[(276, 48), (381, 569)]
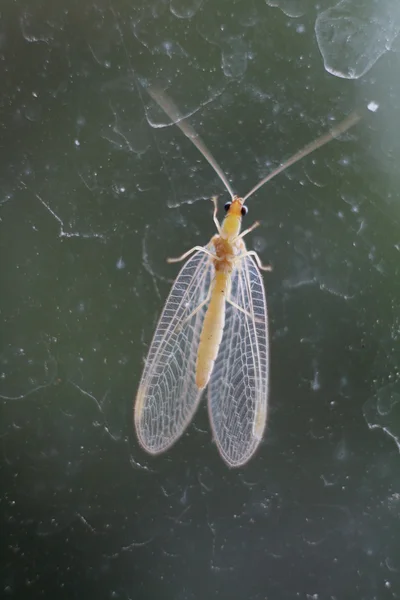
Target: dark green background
[(93, 200)]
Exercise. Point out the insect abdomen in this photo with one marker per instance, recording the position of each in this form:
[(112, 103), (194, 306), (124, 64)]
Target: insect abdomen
[(211, 335)]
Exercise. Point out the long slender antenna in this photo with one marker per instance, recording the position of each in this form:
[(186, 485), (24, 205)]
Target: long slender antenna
[(351, 120), (172, 111)]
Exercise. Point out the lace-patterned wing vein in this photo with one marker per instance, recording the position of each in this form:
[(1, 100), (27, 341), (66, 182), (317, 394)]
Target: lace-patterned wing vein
[(168, 396), (238, 387)]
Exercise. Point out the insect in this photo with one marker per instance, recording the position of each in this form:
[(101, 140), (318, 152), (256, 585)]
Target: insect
[(213, 330)]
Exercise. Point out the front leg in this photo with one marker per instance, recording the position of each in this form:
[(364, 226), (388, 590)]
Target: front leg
[(214, 200)]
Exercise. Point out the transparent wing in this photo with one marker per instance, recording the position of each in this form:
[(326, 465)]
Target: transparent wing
[(238, 387), (168, 396)]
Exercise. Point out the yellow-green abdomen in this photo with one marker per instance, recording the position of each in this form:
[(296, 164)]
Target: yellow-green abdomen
[(212, 331)]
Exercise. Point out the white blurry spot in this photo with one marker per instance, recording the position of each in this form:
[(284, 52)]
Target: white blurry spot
[(300, 28), (234, 57), (315, 384), (120, 263), (6, 198), (118, 189), (394, 504), (167, 47), (33, 112), (34, 94), (390, 564), (184, 9), (388, 585), (353, 34), (373, 106), (328, 482), (345, 161), (172, 48), (341, 452), (77, 143), (259, 243)]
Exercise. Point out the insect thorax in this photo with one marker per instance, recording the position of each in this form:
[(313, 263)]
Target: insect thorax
[(226, 252)]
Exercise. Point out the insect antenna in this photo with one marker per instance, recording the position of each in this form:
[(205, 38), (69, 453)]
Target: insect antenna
[(351, 120), (176, 117)]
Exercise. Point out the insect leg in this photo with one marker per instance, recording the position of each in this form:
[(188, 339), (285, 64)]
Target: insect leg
[(252, 252), (217, 224), (232, 303), (258, 260), (196, 310), (189, 252), (246, 231)]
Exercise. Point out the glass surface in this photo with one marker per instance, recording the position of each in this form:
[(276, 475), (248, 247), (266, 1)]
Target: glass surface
[(97, 190)]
